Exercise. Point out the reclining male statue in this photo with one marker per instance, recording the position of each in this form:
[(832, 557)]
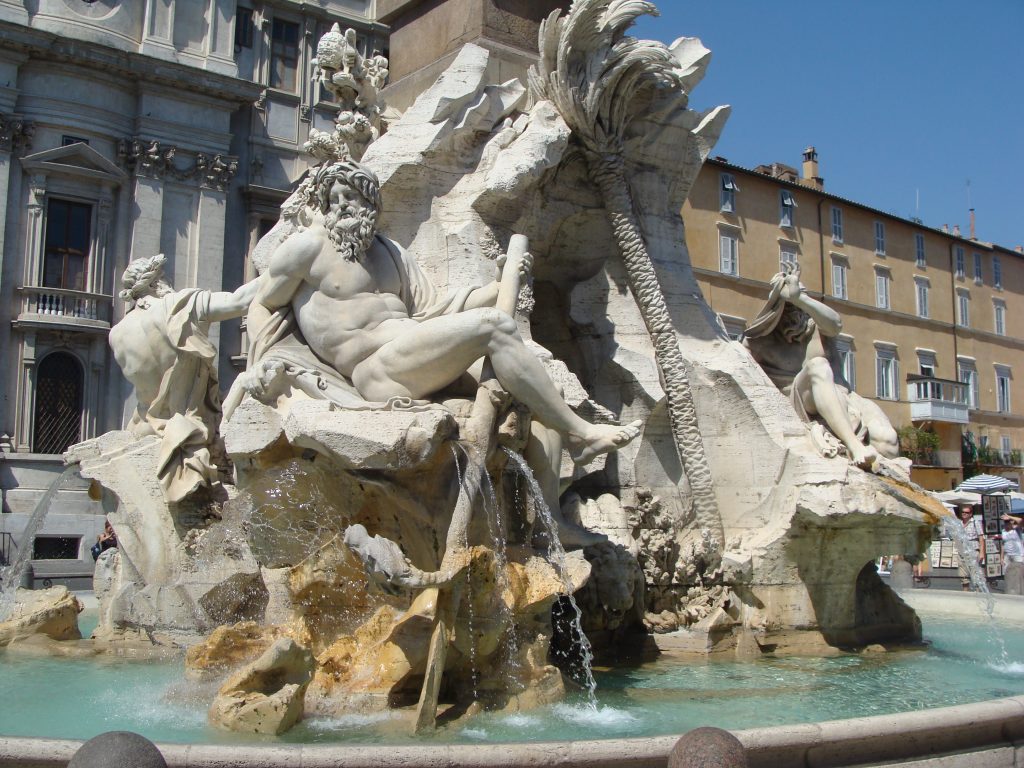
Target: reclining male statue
[(378, 330), (789, 340)]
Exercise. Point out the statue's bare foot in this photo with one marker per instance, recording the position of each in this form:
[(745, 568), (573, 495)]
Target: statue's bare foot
[(601, 438), (864, 456)]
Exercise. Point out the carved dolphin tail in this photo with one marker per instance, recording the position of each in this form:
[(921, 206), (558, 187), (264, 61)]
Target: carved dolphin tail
[(388, 566)]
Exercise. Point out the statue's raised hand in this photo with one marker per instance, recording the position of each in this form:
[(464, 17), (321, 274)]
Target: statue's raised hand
[(791, 287)]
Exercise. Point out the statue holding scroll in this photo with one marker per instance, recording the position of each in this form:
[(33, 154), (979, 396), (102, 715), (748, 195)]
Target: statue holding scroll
[(361, 306)]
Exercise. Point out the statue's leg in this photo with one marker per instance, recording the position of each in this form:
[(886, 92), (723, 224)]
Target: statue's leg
[(544, 455), (428, 356), (817, 387), (881, 433)]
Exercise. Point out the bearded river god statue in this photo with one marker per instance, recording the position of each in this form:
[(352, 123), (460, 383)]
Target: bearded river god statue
[(408, 461), (339, 293)]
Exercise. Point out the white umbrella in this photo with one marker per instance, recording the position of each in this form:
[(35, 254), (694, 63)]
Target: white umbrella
[(959, 497), (987, 484)]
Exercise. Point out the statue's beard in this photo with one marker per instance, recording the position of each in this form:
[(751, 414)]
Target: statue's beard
[(351, 231)]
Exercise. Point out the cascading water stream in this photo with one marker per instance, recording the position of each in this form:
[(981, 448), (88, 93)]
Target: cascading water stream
[(556, 556), (496, 529), (473, 671), (10, 576), (957, 533), (492, 510)]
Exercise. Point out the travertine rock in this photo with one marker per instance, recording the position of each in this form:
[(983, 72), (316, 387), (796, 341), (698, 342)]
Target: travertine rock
[(228, 647), (371, 439), (176, 571), (267, 696), (382, 660), (52, 612)]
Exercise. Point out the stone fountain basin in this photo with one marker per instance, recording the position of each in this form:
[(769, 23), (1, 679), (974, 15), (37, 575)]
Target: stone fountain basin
[(992, 731)]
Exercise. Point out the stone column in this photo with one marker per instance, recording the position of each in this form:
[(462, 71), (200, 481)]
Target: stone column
[(157, 33), (98, 280), (15, 139), (426, 35), (210, 258), (26, 392), (210, 255), (95, 387), (34, 223), (148, 194)]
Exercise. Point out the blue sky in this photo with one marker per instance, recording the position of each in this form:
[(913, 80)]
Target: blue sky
[(905, 100)]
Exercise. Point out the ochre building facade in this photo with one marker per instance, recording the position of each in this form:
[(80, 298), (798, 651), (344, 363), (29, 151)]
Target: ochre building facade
[(932, 318)]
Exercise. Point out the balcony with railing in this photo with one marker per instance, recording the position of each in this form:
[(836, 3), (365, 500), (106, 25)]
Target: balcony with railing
[(63, 307), (933, 399)]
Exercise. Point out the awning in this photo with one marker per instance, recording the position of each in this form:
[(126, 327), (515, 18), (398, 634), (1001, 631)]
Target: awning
[(987, 484)]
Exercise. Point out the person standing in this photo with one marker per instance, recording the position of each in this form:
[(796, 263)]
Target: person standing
[(973, 533), (1013, 543)]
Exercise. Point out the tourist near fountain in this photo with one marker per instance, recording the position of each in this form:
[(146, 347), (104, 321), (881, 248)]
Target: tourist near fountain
[(483, 387)]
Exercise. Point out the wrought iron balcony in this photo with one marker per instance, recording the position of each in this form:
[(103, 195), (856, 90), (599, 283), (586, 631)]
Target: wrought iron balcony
[(933, 399), (58, 306)]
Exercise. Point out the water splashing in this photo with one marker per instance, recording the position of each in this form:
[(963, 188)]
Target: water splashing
[(965, 549), (474, 672), (556, 556), (10, 577), (498, 535)]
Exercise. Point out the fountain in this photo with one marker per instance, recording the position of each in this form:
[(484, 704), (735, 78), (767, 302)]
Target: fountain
[(374, 525)]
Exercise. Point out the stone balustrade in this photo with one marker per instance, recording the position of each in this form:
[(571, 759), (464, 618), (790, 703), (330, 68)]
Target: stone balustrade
[(66, 304)]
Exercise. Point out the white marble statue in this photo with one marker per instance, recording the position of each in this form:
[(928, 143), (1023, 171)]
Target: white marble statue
[(358, 303), (790, 339), (355, 82), (164, 350)]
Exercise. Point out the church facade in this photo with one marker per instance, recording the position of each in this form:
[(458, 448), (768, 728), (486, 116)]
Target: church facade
[(131, 128)]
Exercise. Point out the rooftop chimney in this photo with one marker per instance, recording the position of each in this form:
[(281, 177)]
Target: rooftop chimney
[(973, 237), (956, 230), (811, 177), (1019, 249), (945, 228)]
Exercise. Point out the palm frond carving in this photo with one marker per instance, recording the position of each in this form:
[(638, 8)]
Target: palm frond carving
[(595, 76)]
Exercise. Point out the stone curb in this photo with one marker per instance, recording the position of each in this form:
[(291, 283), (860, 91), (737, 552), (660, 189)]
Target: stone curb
[(983, 726)]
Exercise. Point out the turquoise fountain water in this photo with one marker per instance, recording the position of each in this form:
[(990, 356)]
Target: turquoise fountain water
[(79, 698)]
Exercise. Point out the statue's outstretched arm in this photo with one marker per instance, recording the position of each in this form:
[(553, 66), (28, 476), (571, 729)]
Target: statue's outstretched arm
[(225, 305)]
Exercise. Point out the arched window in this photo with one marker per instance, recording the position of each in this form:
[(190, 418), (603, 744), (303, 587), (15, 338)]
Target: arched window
[(59, 385)]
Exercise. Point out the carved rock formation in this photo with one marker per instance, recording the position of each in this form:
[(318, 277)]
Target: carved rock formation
[(52, 612), (266, 696)]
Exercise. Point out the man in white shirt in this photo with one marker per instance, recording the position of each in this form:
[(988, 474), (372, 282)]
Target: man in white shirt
[(973, 532)]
